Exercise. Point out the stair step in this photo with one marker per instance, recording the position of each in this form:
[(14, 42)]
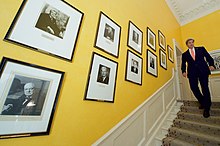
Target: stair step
[(192, 109), (178, 104), (166, 127), (194, 137), (196, 103), (212, 120), (160, 137), (197, 127), (170, 141)]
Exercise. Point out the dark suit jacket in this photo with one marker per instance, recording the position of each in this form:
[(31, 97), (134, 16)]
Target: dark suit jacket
[(199, 65), (133, 69), (19, 108), (44, 21), (100, 79)]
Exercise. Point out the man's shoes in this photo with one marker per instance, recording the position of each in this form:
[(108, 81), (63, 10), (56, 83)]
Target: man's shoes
[(206, 114)]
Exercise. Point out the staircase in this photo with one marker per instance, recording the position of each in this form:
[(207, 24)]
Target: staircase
[(190, 128), (163, 129)]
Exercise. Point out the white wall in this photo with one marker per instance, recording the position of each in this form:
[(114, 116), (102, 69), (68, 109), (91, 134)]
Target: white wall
[(214, 85)]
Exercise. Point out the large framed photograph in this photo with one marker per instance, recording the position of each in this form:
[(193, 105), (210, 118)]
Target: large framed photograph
[(151, 39), (163, 59), (108, 35), (101, 79), (28, 97), (134, 68), (216, 56), (49, 26), (170, 53), (135, 37), (162, 40), (152, 65)]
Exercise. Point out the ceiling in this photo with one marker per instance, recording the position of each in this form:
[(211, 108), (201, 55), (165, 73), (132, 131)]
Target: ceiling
[(186, 11)]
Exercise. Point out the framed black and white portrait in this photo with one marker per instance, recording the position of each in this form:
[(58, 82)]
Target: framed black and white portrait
[(151, 39), (135, 37), (162, 40), (49, 26), (163, 59), (152, 67), (101, 79), (108, 35), (28, 97), (170, 53), (134, 68)]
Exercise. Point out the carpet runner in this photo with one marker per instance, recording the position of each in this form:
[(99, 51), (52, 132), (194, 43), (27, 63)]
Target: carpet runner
[(190, 128)]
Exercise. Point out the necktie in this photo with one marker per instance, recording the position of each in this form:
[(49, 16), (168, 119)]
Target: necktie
[(193, 54)]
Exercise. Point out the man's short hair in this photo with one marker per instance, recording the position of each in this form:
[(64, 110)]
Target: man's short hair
[(190, 39)]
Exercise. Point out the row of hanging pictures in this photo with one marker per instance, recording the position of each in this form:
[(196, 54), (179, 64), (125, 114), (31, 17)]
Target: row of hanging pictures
[(31, 92)]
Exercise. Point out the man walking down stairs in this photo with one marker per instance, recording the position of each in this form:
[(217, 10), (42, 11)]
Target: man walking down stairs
[(190, 128)]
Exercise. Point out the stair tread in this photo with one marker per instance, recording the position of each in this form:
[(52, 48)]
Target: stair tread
[(195, 114), (202, 124), (195, 107), (179, 142), (201, 135)]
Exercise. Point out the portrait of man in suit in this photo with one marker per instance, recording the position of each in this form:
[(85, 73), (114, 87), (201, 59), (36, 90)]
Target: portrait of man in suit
[(196, 66), (103, 75), (134, 66), (135, 37), (25, 99), (109, 32), (52, 21), (152, 62)]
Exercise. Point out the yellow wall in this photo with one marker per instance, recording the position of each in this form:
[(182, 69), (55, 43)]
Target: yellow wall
[(77, 122), (205, 31)]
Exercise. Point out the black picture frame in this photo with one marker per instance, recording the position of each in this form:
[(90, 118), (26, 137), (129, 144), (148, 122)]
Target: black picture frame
[(151, 35), (170, 53), (134, 44), (49, 38), (161, 37), (8, 64), (111, 44), (131, 75), (152, 69), (163, 61), (93, 82)]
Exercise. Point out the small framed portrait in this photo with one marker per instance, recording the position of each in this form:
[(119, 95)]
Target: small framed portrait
[(28, 98), (52, 24), (151, 39), (135, 37), (216, 56), (134, 68), (101, 79), (108, 35), (152, 67), (163, 59), (162, 40), (170, 53)]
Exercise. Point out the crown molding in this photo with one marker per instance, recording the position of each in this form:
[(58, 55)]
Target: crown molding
[(202, 9)]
